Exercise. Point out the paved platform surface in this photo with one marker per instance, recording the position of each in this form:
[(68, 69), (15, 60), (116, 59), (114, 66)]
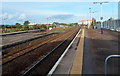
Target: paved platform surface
[(18, 37), (97, 47), (78, 60), (88, 67), (66, 63), (9, 39)]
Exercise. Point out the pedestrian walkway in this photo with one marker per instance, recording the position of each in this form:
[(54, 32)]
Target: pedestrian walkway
[(90, 54), (88, 66), (96, 49)]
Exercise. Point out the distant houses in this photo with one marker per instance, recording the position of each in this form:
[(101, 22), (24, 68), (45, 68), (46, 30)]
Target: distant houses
[(31, 26), (85, 22), (33, 23)]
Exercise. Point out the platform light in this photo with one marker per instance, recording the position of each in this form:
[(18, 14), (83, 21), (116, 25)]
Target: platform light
[(101, 18)]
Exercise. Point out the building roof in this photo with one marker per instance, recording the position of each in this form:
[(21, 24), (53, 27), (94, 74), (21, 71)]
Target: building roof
[(57, 25), (89, 20), (85, 20)]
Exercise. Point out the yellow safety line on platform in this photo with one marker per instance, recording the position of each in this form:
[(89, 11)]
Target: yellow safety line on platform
[(78, 60)]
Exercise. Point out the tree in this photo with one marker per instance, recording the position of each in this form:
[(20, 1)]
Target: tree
[(2, 26), (35, 27), (55, 23), (26, 27), (111, 19), (17, 24), (26, 23), (93, 21), (75, 23), (43, 26), (98, 22)]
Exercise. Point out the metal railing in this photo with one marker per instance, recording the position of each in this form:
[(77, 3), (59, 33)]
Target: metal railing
[(106, 61)]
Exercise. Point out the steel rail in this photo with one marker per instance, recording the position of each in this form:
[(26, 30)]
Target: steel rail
[(59, 60), (22, 51), (26, 72)]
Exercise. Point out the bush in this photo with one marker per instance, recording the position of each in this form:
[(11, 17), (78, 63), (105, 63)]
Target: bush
[(25, 28), (26, 23), (35, 27), (17, 24), (43, 26)]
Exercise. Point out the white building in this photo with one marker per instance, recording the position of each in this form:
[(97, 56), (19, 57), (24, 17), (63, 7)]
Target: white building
[(33, 23), (85, 22)]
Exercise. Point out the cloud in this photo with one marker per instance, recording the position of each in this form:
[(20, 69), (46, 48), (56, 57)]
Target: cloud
[(57, 0), (45, 12), (10, 16), (22, 16), (62, 16), (6, 16)]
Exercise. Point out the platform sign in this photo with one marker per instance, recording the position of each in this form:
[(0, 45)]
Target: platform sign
[(101, 18)]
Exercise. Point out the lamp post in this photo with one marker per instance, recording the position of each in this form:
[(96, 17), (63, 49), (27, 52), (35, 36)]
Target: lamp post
[(93, 17), (4, 24), (47, 22), (90, 13), (101, 18), (90, 18)]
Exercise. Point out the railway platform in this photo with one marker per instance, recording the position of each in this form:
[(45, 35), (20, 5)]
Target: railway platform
[(87, 55), (66, 63), (72, 61), (82, 52)]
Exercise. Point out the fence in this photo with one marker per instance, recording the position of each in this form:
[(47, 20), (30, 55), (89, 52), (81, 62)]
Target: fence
[(112, 24), (106, 62)]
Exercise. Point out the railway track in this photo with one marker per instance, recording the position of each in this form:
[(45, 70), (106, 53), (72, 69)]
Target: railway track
[(50, 59), (24, 49), (29, 45), (13, 55), (26, 61), (15, 41)]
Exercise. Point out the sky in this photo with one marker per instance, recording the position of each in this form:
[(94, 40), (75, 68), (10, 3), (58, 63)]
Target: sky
[(47, 12), (119, 10)]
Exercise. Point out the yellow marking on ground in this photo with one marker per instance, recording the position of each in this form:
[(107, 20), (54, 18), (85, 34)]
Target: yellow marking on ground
[(78, 60)]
